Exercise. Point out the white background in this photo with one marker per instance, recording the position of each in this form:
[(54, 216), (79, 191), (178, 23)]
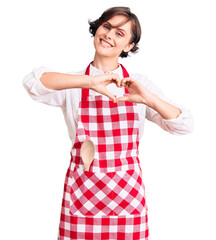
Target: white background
[(177, 52)]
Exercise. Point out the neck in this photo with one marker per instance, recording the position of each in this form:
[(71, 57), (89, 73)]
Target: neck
[(105, 64)]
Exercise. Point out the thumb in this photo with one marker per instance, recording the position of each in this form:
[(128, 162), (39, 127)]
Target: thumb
[(122, 99)]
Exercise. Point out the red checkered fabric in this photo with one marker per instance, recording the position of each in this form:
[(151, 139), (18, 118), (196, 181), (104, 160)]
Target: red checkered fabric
[(103, 228), (108, 201), (113, 193)]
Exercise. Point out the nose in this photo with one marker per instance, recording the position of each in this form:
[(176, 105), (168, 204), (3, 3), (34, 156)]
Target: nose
[(109, 34)]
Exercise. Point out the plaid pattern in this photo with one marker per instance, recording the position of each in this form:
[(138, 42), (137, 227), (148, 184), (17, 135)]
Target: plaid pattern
[(113, 128), (108, 201), (114, 193), (103, 228)]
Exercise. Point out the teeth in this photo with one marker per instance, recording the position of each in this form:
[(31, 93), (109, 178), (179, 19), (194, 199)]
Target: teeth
[(105, 43)]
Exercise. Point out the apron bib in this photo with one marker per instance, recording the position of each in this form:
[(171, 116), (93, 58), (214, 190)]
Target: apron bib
[(113, 185), (108, 200)]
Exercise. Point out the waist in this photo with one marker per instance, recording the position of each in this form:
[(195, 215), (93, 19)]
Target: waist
[(125, 164)]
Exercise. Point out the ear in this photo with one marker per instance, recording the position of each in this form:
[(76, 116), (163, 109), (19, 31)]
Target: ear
[(129, 47)]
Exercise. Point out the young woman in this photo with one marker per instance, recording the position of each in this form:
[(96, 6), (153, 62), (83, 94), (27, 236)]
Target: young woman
[(107, 106)]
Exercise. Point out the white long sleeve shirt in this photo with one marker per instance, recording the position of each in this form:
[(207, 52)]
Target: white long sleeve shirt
[(68, 100)]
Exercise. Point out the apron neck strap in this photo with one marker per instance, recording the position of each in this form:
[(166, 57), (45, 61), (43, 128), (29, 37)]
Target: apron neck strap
[(85, 91)]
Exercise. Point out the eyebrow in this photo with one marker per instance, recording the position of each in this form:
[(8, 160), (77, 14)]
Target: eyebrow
[(117, 28)]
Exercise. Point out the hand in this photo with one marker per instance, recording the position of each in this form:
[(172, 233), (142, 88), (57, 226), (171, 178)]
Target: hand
[(99, 83), (138, 93)]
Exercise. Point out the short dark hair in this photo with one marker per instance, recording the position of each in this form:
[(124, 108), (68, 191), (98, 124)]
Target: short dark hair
[(124, 11)]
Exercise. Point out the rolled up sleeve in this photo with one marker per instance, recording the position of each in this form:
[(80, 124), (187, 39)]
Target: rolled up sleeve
[(181, 125), (39, 92)]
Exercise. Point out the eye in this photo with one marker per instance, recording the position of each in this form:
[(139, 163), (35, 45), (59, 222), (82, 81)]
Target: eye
[(120, 34), (106, 26)]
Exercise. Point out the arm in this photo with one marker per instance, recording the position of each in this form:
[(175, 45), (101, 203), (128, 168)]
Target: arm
[(176, 125), (140, 94), (170, 116), (165, 109), (98, 83), (38, 92), (49, 87), (60, 81)]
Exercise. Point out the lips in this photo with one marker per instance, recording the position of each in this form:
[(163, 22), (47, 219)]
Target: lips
[(105, 44)]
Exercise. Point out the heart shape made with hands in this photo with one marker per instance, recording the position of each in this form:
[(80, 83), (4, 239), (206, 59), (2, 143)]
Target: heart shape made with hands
[(125, 95), (131, 85), (136, 91), (125, 82)]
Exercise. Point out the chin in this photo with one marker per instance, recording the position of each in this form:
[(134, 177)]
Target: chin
[(105, 52)]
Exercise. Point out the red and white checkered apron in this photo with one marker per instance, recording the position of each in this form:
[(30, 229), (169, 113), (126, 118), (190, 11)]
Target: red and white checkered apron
[(108, 201)]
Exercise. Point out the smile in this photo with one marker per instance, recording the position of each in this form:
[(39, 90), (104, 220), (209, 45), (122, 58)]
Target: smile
[(105, 44)]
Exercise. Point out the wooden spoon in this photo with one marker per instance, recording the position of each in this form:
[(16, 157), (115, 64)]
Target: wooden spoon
[(87, 153)]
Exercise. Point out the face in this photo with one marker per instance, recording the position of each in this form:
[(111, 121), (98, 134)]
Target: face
[(110, 42)]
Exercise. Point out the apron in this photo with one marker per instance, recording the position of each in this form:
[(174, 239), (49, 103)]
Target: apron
[(107, 201)]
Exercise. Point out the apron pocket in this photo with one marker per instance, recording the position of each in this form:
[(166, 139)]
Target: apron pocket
[(107, 194)]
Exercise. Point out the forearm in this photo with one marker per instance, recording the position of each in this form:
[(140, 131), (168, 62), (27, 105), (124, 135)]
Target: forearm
[(166, 110), (59, 81)]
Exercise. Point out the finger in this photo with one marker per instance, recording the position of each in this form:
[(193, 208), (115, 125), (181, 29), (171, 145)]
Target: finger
[(116, 79), (125, 84), (127, 80), (122, 99)]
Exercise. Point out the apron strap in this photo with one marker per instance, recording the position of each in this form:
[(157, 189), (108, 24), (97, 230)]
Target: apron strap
[(125, 75), (85, 91)]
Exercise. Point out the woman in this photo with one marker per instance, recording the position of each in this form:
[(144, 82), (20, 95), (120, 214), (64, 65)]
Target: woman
[(107, 106)]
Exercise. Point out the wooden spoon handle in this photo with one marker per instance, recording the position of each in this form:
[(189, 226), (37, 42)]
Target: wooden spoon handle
[(87, 153)]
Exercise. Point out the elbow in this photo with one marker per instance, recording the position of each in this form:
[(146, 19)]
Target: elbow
[(34, 82), (47, 81), (43, 78)]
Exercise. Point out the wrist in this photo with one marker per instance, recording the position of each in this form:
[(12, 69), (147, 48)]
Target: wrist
[(150, 100), (87, 81)]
